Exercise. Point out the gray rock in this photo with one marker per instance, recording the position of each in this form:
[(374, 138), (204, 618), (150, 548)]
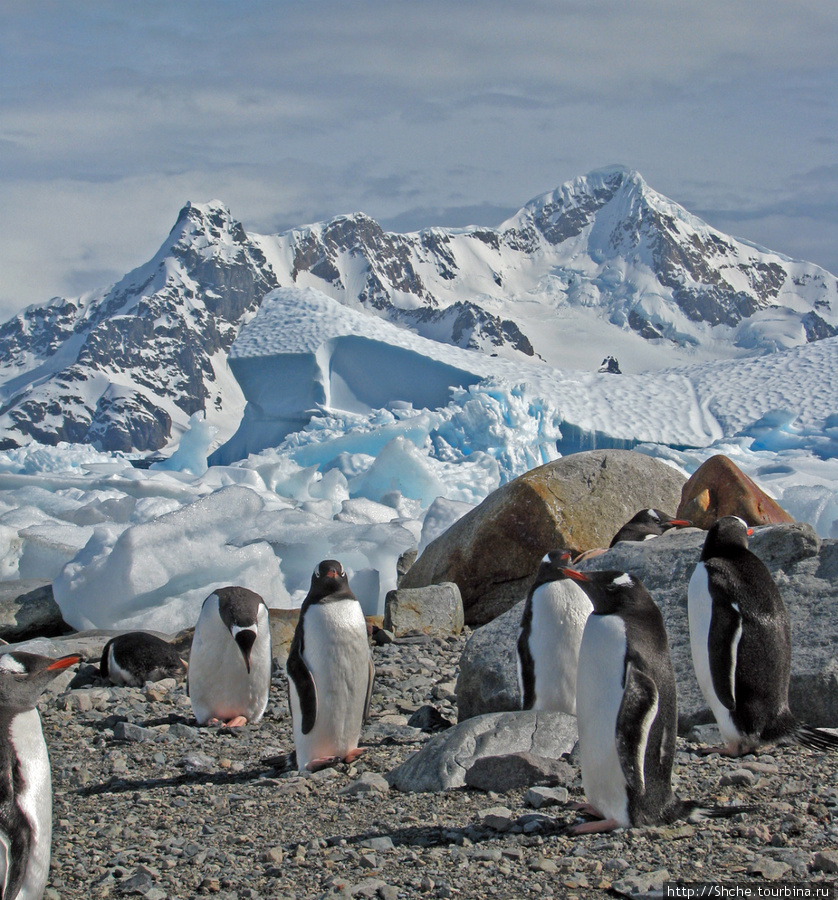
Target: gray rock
[(540, 796), (488, 677), (28, 609), (512, 771), (435, 610), (445, 759), (127, 731)]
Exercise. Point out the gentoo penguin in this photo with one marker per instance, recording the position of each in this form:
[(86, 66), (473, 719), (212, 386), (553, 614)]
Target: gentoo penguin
[(230, 662), (740, 638), (330, 671), (137, 657), (647, 524), (552, 623), (626, 709), (25, 779)]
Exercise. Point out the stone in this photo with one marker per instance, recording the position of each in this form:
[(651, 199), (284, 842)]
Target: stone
[(498, 818), (444, 760), (435, 610), (369, 782), (488, 677), (540, 796), (127, 731), (769, 869), (576, 502), (718, 487), (516, 770), (283, 622), (804, 567), (826, 861), (28, 609)]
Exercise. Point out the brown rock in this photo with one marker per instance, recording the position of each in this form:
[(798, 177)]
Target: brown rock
[(719, 488), (283, 622), (577, 502)]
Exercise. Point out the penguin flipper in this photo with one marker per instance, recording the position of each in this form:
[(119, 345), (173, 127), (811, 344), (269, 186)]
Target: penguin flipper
[(723, 646), (637, 713), (299, 673), (370, 683)]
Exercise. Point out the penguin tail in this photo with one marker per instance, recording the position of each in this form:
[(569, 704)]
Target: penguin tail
[(694, 811), (816, 738)]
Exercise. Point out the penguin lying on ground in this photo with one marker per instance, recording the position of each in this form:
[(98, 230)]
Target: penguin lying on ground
[(552, 623), (647, 524), (626, 709), (740, 638), (230, 662), (137, 657), (330, 671), (25, 778)]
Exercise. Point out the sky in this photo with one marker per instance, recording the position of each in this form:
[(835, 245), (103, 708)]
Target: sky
[(114, 115)]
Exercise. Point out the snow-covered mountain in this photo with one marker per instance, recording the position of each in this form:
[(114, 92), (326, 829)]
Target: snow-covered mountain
[(601, 266)]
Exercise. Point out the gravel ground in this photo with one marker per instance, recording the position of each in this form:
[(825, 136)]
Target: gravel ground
[(147, 804)]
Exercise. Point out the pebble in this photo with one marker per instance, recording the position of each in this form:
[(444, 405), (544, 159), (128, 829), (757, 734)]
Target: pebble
[(148, 804)]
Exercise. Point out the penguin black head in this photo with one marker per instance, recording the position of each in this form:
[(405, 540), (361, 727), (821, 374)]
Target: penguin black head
[(730, 533), (551, 567), (24, 677), (648, 523), (239, 610), (329, 578), (612, 591)]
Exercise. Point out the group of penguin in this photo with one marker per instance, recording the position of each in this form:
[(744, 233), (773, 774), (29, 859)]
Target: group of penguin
[(593, 644), (330, 681)]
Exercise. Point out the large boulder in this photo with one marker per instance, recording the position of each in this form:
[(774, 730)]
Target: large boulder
[(445, 760), (718, 487), (28, 609), (804, 567), (577, 502)]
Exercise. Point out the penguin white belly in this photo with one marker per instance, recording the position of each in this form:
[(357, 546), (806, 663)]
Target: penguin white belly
[(34, 798), (559, 612), (598, 698), (219, 684), (700, 612), (336, 652)]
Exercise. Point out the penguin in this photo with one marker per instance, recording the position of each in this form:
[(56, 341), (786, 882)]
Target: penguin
[(25, 778), (134, 658), (552, 623), (740, 637), (229, 674), (330, 672), (647, 524), (627, 710)]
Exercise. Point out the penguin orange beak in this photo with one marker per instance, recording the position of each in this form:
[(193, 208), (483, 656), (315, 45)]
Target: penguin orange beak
[(680, 523), (575, 574), (63, 662)]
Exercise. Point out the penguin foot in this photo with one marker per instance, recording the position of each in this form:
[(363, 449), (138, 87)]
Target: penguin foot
[(236, 722), (323, 763), (586, 809), (734, 750), (597, 827), (353, 755)]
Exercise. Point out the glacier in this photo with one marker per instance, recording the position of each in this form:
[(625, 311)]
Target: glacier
[(364, 440)]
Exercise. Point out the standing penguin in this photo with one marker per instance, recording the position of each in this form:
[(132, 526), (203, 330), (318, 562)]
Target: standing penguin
[(627, 711), (552, 623), (647, 524), (740, 638), (25, 778), (330, 671), (230, 663)]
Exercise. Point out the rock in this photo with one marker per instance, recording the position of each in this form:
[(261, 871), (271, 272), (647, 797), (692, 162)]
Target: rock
[(516, 770), (283, 622), (435, 610), (498, 818), (428, 718), (369, 782), (445, 759), (28, 609), (718, 487), (804, 567), (127, 731), (577, 502), (540, 796), (488, 677), (826, 861), (769, 869)]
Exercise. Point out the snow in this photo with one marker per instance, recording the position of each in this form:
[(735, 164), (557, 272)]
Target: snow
[(361, 441)]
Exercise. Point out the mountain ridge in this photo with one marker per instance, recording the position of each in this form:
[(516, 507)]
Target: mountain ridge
[(125, 367)]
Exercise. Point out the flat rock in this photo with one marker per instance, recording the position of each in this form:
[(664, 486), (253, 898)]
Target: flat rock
[(445, 759)]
